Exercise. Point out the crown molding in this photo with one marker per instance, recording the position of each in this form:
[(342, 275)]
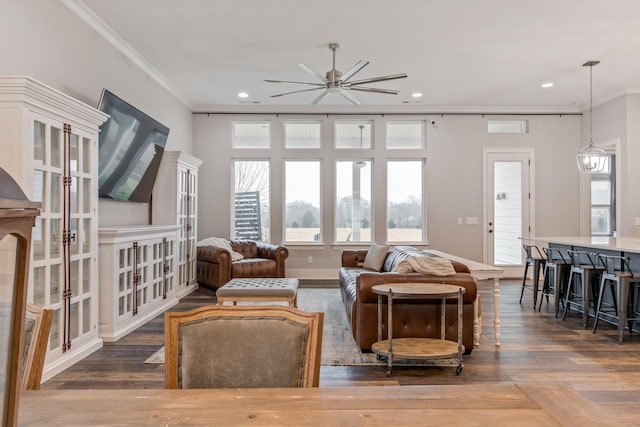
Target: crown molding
[(101, 27)]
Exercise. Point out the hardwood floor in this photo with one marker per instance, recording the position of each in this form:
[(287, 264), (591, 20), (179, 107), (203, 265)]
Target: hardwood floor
[(536, 349)]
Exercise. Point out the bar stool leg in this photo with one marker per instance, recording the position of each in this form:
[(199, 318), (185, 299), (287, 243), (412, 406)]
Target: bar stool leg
[(602, 285), (524, 280), (568, 294), (623, 300), (586, 290), (546, 284), (537, 265)]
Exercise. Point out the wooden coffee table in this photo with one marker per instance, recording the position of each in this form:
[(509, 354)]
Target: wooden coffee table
[(441, 351)]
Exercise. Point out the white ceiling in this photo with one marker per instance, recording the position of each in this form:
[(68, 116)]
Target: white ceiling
[(463, 55)]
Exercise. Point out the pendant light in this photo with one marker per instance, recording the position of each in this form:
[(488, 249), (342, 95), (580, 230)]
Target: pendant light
[(592, 159)]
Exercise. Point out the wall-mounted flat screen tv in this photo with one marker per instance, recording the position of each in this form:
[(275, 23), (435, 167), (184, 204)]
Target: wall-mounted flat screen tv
[(130, 149)]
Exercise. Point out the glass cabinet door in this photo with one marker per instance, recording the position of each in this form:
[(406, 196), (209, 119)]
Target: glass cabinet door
[(48, 261)]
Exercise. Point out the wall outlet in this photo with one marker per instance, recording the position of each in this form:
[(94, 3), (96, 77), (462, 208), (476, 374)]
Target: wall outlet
[(309, 260)]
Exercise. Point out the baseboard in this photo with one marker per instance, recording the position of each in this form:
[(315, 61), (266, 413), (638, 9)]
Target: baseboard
[(313, 273), (53, 369), (112, 333), (186, 290)]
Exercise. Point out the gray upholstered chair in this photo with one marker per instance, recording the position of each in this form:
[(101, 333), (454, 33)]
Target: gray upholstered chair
[(242, 346), (37, 326)]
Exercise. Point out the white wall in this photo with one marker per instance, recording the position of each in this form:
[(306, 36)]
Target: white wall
[(454, 182), (43, 39)]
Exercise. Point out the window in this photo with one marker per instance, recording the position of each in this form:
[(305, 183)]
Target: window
[(302, 135), (353, 134), (405, 134), (302, 201), (353, 201), (251, 134), (603, 211), (404, 201), (251, 213), (507, 126)]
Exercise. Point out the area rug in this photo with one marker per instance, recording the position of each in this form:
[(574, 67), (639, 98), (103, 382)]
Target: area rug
[(338, 346)]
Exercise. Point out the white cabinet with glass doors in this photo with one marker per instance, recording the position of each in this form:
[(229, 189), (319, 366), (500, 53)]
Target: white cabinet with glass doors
[(50, 146)]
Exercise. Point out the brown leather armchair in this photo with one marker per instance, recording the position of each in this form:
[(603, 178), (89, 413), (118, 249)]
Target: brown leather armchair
[(261, 259)]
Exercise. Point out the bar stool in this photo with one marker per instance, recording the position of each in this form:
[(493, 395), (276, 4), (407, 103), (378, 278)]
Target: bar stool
[(586, 270), (618, 272), (557, 264), (537, 261)]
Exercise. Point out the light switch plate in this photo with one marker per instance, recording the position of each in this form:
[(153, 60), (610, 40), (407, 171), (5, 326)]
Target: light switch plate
[(472, 220)]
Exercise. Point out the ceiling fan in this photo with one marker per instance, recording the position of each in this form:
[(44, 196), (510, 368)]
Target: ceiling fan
[(337, 82)]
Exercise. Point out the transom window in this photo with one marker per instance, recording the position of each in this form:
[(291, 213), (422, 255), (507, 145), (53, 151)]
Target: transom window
[(302, 134), (251, 134), (406, 134), (356, 135)]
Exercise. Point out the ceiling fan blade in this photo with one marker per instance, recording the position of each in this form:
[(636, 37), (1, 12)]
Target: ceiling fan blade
[(289, 81), (295, 91), (373, 89), (353, 70), (352, 99), (313, 72), (322, 95), (378, 79)]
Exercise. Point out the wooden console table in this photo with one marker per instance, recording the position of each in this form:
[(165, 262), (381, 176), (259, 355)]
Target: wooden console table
[(480, 272)]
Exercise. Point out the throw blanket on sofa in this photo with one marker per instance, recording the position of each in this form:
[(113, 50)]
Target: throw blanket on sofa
[(436, 266), (221, 243)]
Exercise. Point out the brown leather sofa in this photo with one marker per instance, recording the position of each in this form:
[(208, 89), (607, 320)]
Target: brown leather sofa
[(411, 318), (215, 267)]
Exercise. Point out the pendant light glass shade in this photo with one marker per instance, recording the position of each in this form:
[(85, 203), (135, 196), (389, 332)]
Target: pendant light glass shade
[(592, 159)]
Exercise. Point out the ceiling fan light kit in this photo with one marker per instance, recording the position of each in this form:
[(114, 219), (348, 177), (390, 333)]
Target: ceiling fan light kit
[(336, 82)]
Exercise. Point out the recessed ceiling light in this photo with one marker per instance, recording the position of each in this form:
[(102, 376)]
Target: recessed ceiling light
[(243, 95), (416, 94), (545, 85)]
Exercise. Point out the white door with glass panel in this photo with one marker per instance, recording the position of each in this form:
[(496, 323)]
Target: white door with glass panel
[(507, 208)]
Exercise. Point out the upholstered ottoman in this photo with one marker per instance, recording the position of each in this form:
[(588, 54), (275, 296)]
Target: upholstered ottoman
[(258, 290)]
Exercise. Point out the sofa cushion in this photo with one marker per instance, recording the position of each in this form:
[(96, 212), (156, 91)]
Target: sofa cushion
[(375, 257)]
